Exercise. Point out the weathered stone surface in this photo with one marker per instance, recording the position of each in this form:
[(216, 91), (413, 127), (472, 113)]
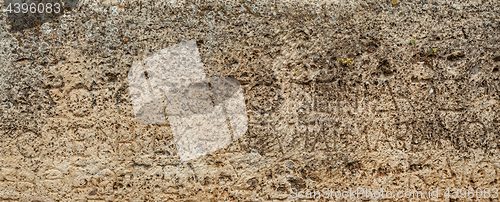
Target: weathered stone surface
[(399, 116)]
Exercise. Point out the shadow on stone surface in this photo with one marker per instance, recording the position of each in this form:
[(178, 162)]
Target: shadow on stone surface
[(26, 14)]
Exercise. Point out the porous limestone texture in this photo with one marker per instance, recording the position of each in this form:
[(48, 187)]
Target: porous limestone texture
[(392, 94)]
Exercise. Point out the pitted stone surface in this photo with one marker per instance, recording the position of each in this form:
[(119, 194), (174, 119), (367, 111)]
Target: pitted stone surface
[(400, 116)]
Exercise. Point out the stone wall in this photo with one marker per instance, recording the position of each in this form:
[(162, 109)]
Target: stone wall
[(415, 108)]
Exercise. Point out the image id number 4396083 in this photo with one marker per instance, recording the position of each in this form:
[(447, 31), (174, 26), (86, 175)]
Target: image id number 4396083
[(471, 193), (33, 8)]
